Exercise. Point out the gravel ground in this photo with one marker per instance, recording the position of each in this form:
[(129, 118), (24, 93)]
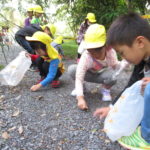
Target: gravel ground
[(49, 118)]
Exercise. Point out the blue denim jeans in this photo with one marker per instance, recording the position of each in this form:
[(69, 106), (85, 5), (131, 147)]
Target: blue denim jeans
[(145, 124), (24, 43)]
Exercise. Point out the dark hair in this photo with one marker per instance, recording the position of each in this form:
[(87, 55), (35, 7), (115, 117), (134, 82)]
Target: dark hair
[(96, 49), (49, 31), (126, 28), (37, 45)]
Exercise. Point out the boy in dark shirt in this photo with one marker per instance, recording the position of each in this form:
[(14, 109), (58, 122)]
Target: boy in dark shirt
[(129, 35), (29, 31)]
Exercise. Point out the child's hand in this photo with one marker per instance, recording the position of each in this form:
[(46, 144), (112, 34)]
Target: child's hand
[(28, 55), (82, 103), (35, 87), (101, 112), (145, 80)]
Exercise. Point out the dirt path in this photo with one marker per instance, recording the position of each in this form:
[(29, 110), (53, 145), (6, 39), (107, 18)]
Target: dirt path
[(49, 119)]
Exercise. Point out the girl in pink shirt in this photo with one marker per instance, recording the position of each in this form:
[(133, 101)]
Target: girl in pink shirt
[(97, 64)]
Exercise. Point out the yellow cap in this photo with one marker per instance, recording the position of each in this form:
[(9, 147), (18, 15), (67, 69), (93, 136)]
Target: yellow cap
[(146, 16), (30, 9), (41, 37), (51, 27), (91, 17), (59, 40), (95, 36), (45, 39), (38, 9)]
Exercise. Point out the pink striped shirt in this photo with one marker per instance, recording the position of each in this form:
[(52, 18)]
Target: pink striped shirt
[(88, 63)]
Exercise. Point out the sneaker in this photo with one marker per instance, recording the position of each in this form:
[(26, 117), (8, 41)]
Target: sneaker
[(55, 84), (73, 93), (106, 95), (135, 141), (33, 69)]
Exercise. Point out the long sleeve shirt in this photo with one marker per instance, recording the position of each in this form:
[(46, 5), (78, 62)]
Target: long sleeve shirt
[(81, 32), (53, 67), (58, 47), (27, 22), (88, 63), (28, 30), (137, 74)]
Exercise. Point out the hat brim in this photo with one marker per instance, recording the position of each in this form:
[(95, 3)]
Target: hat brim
[(40, 12), (91, 20), (93, 45), (28, 38)]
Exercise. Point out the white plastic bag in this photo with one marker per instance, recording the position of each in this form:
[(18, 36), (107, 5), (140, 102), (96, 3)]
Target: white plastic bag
[(13, 73), (123, 64), (81, 48), (126, 114)]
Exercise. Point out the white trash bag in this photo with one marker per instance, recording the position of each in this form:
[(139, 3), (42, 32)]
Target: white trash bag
[(126, 114), (13, 73), (81, 48)]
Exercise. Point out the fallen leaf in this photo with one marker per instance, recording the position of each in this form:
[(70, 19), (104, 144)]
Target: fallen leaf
[(1, 123), (94, 130), (43, 115), (57, 115), (20, 129), (11, 129), (2, 97), (40, 98), (94, 91), (107, 141), (60, 95), (16, 113), (18, 97), (5, 135)]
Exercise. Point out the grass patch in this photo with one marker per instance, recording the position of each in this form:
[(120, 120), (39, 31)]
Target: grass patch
[(70, 48), (1, 67)]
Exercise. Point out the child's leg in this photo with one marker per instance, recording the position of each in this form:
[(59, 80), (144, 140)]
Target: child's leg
[(58, 74), (145, 124), (39, 62), (104, 77), (45, 67), (24, 43), (72, 70)]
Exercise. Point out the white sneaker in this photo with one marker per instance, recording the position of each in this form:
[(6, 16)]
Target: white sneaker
[(106, 95), (73, 93)]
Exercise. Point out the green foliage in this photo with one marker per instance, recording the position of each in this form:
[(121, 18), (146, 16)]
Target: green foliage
[(105, 10), (70, 48), (1, 67)]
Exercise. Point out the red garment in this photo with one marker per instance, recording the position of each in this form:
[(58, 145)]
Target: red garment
[(34, 57)]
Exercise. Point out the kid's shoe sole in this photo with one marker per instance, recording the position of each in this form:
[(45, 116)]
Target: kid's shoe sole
[(131, 148)]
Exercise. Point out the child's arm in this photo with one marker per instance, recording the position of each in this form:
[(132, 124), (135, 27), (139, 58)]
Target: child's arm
[(61, 50), (136, 75), (53, 67), (33, 57)]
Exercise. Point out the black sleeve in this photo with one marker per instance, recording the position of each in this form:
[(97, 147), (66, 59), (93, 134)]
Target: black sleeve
[(137, 74)]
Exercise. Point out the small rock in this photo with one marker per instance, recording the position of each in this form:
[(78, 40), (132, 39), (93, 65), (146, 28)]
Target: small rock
[(20, 129), (2, 97), (16, 113)]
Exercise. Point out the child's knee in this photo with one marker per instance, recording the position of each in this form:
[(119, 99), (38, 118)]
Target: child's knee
[(72, 70)]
